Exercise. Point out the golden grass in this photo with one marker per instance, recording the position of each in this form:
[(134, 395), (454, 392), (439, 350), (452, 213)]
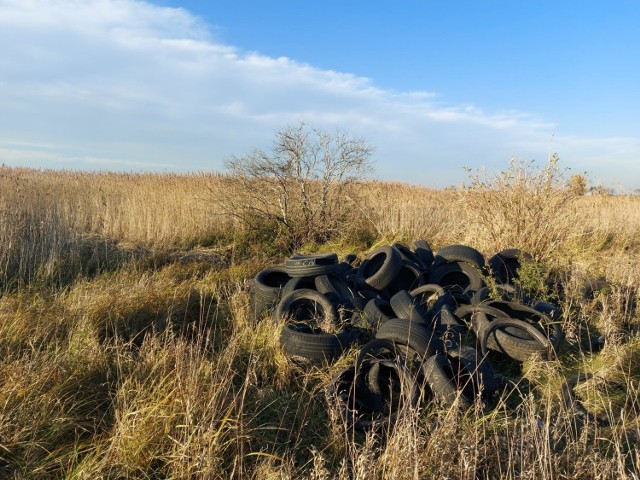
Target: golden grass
[(127, 349)]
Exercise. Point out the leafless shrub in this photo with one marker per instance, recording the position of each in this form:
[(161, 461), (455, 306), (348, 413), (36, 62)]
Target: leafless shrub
[(301, 190)]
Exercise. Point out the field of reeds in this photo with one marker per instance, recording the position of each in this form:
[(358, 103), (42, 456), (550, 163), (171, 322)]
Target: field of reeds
[(127, 348)]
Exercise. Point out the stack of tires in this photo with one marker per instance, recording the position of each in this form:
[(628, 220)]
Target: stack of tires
[(309, 296), (424, 324)]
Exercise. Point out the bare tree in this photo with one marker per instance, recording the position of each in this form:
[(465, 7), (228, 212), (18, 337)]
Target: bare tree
[(302, 187)]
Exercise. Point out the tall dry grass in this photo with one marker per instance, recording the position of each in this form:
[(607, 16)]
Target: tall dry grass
[(48, 216), (127, 350), (58, 223)]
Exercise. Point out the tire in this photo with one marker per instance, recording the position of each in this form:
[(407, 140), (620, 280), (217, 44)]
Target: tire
[(367, 403), (270, 281), (343, 269), (266, 290), (445, 319), (380, 268), (440, 376), (522, 312), (505, 264), (323, 259), (547, 309), (406, 306), (590, 288), (351, 259), (334, 285), (456, 274), (432, 297), (306, 305), (513, 346), (424, 252), (409, 277), (416, 336), (299, 339), (298, 283), (407, 255), (513, 335), (470, 315), (311, 265), (345, 397), (380, 349), (506, 291), (459, 253), (357, 303), (353, 403), (482, 375), (377, 312), (369, 294)]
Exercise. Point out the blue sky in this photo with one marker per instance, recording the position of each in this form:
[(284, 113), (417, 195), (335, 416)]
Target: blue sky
[(434, 86)]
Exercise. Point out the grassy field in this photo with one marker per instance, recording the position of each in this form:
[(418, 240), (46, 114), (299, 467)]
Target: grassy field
[(127, 348)]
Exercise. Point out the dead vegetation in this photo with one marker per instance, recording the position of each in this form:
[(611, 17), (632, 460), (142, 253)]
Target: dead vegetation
[(126, 349)]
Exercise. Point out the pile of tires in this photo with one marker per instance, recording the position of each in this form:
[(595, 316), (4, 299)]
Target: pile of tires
[(424, 324)]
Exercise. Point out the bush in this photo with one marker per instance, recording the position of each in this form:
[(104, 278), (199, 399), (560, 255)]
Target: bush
[(528, 206), (300, 191)]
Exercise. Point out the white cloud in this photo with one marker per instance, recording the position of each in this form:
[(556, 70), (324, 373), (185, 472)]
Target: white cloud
[(136, 86)]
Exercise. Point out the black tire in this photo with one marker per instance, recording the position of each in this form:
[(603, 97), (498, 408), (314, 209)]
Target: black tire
[(530, 315), (298, 283), (258, 307), (471, 314), (270, 281), (424, 252), (344, 395), (505, 264), (380, 268), (416, 336), (484, 380), (440, 374), (507, 292), (351, 259), (370, 396), (323, 259), (306, 305), (520, 339), (352, 402), (357, 303), (445, 319), (459, 253), (406, 306), (369, 293), (299, 339), (456, 275), (409, 277), (381, 349), (311, 265), (407, 255), (334, 285), (377, 312), (547, 309), (266, 290), (343, 269), (590, 288), (513, 346), (432, 297), (378, 349)]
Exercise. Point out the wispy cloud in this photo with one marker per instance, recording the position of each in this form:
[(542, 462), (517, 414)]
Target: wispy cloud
[(127, 84)]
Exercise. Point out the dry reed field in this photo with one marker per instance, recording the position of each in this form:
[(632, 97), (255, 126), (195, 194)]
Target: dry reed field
[(127, 348)]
